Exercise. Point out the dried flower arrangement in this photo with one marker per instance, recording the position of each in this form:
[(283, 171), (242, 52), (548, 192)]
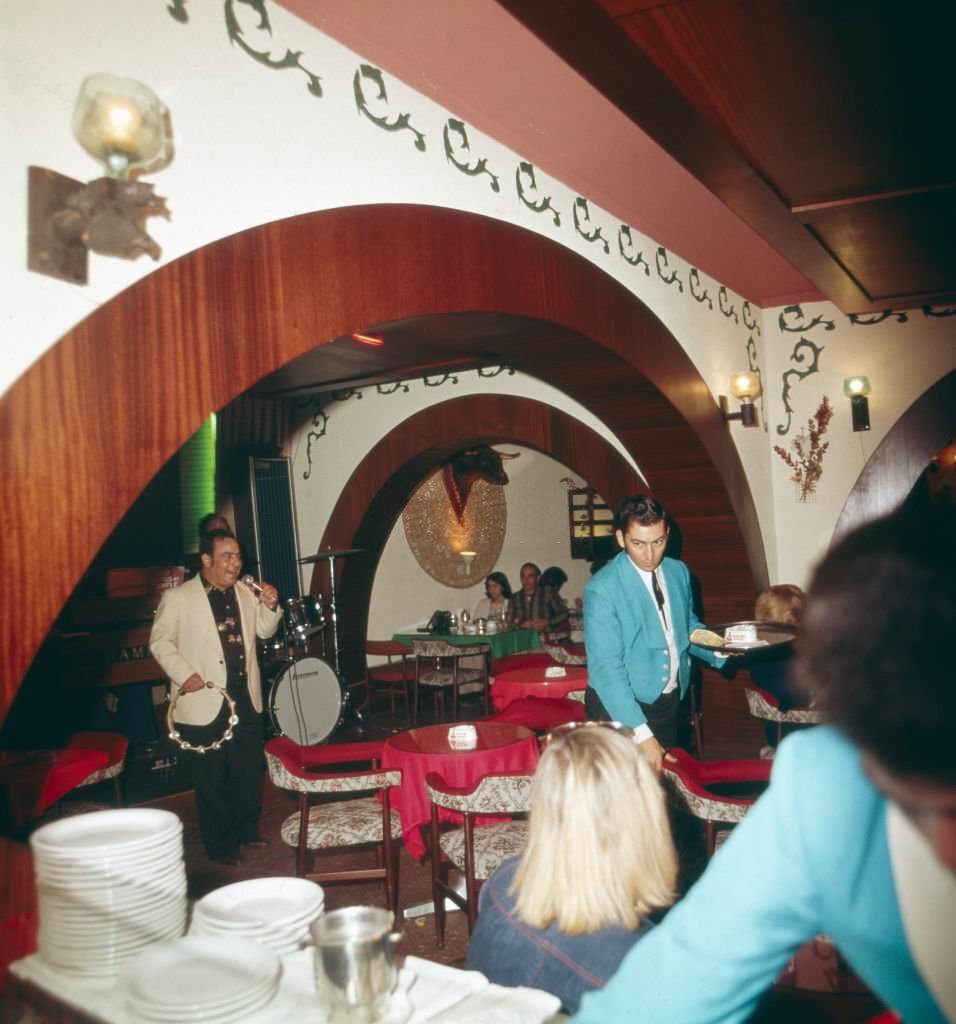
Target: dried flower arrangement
[(807, 449)]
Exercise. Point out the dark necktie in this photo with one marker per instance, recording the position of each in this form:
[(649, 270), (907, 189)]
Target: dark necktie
[(658, 596)]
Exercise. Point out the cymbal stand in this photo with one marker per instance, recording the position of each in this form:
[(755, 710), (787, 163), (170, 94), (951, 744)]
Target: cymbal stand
[(335, 619), (349, 707)]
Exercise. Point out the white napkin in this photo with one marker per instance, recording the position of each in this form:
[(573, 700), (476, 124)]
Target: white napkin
[(433, 988), (498, 1005), (446, 995)]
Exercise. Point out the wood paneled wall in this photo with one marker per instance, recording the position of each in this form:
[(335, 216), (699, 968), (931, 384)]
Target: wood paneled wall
[(92, 421)]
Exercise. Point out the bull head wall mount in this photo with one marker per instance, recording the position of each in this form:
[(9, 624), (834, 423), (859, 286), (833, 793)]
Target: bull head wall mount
[(462, 471), (123, 124)]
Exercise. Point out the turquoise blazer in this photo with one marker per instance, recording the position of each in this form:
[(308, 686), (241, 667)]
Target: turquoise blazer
[(628, 660), (810, 858)]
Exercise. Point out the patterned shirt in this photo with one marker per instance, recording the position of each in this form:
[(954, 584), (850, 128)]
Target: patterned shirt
[(542, 603), (225, 610)]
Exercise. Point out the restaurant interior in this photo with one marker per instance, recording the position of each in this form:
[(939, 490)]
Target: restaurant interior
[(689, 249)]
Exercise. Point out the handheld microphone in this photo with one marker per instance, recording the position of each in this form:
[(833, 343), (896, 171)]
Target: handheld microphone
[(251, 584)]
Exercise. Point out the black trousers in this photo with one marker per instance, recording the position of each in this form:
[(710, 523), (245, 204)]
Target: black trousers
[(228, 781), (663, 715)]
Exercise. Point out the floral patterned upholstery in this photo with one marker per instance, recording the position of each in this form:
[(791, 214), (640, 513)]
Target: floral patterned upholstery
[(114, 745), (341, 823), (327, 782), (470, 680), (710, 808), (335, 823), (563, 656), (101, 775), (437, 666), (689, 779), (764, 705), (492, 845), (494, 794)]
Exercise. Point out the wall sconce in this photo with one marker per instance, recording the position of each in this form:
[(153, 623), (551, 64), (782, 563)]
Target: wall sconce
[(745, 387), (856, 389), (124, 125), (467, 557)]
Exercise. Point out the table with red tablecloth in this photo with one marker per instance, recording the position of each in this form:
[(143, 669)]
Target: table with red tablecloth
[(535, 681), (501, 749)]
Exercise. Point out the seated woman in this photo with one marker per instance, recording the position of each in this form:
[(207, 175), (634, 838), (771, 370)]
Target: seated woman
[(563, 914), (494, 605)]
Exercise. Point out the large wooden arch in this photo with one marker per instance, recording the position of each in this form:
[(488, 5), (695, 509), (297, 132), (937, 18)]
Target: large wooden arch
[(892, 470), (380, 486), (92, 421)]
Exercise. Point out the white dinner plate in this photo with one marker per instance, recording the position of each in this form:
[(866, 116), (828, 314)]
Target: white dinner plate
[(127, 828), (199, 974)]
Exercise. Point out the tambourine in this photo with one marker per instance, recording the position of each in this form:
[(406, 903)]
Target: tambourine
[(201, 748)]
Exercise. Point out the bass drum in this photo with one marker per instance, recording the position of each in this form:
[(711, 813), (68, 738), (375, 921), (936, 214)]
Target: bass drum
[(306, 702)]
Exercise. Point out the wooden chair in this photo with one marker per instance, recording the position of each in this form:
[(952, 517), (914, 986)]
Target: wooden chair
[(474, 851), (692, 781), (392, 676), (437, 666), (114, 745), (354, 822), (763, 704)]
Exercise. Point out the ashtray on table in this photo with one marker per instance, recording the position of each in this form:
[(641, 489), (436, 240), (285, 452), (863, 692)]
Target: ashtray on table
[(462, 737)]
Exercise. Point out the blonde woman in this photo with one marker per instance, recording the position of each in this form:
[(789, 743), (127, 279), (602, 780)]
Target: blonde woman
[(599, 858)]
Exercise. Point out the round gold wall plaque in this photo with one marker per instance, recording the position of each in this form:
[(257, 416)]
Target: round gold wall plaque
[(437, 538)]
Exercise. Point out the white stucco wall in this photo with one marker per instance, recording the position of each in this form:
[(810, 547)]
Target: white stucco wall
[(253, 144), (356, 425), (405, 595), (903, 356)]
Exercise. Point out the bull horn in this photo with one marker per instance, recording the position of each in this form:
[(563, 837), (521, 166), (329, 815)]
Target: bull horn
[(507, 455)]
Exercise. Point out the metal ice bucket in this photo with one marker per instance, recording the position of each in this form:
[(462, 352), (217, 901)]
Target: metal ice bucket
[(354, 962)]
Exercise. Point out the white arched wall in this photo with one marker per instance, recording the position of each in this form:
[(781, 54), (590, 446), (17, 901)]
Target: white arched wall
[(403, 593)]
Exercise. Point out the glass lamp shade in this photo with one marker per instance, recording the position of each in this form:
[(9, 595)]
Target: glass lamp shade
[(119, 122), (745, 385), (854, 386)]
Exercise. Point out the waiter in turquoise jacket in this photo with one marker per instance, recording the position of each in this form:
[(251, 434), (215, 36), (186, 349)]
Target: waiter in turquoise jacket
[(638, 617)]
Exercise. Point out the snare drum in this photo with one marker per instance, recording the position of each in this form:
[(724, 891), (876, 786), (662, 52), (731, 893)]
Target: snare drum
[(306, 702), (303, 617)]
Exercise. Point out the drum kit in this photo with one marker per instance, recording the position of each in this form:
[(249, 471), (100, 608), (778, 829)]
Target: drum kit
[(307, 700)]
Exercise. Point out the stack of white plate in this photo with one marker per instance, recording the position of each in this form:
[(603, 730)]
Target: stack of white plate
[(209, 978), (108, 884), (275, 912)]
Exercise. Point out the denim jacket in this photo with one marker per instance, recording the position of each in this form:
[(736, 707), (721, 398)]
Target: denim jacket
[(510, 952)]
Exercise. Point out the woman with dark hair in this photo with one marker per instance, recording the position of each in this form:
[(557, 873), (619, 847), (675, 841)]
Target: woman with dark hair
[(494, 605), (553, 577)]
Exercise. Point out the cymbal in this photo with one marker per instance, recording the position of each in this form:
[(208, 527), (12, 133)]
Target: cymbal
[(330, 553)]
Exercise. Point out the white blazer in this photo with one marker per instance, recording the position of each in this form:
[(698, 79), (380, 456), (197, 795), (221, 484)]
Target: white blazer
[(185, 640)]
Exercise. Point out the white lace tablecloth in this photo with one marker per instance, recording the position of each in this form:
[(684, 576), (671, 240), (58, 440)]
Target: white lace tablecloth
[(427, 992)]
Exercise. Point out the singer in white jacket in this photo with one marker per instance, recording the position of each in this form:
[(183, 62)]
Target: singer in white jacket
[(204, 636)]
